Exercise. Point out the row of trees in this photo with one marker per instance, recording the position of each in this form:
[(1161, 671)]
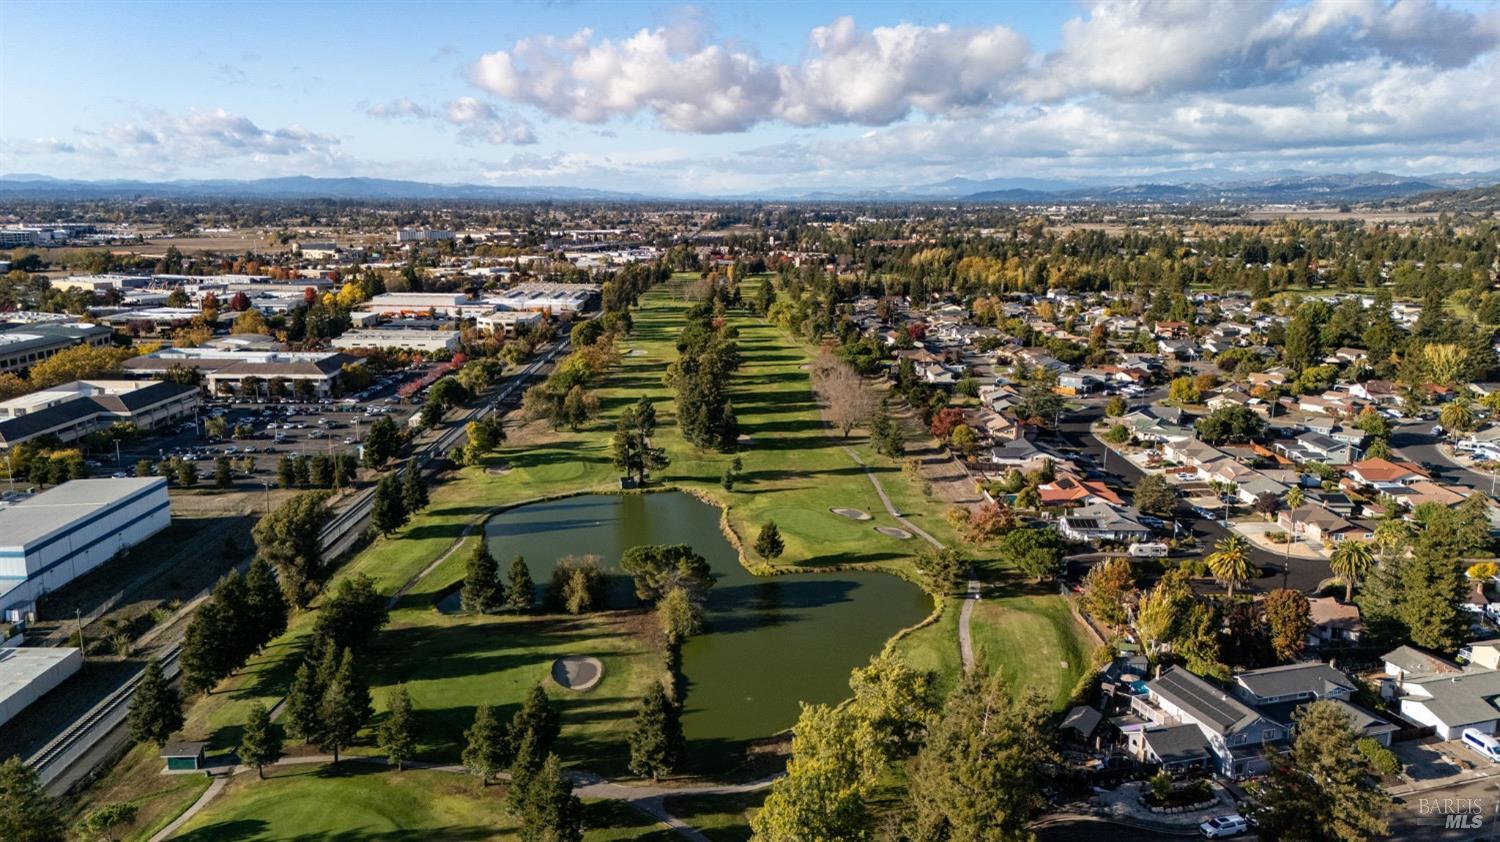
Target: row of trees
[(397, 498), (241, 615), (318, 471), (708, 356), (540, 795)]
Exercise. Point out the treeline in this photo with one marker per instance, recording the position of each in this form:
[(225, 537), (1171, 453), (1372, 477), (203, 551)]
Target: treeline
[(707, 356), (241, 615)]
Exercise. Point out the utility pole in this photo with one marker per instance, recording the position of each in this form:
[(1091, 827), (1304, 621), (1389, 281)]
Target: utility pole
[(78, 618)]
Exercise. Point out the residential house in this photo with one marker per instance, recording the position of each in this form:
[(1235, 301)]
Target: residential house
[(1334, 623), (1102, 522), (1316, 447), (1017, 453), (1383, 474), (1378, 392), (1321, 526), (1070, 490)]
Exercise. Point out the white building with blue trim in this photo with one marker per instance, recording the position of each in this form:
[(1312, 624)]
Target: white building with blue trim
[(52, 538)]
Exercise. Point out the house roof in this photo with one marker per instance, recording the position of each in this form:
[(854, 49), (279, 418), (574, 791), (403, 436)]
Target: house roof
[(1203, 701), (1328, 612), (1178, 744), (1460, 699), (1082, 719), (1292, 679), (1414, 660), (1384, 470)]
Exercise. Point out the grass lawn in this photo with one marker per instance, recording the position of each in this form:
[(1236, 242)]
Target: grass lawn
[(793, 473), (135, 779), (722, 818)]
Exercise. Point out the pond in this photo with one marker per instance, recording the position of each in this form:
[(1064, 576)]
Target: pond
[(771, 641)]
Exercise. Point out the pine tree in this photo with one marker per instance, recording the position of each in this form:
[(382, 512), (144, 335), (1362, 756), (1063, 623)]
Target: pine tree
[(768, 543), (27, 814), (525, 763), (237, 628), (388, 512), (486, 745), (266, 602), (261, 742), (536, 719), (1323, 788), (156, 709), (481, 585), (656, 735), (550, 812), (396, 735), (413, 491), (202, 656), (344, 466), (302, 703), (286, 472), (223, 473), (520, 590), (977, 775), (345, 707), (885, 436)]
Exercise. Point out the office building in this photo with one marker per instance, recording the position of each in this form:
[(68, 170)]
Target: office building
[(71, 411)]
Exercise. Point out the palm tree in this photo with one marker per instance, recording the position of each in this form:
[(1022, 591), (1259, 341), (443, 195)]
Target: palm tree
[(1230, 562), (1294, 500), (1352, 559), (1455, 416)]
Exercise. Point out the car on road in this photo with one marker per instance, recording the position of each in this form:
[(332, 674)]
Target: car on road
[(1221, 827), (1437, 429), (118, 474)]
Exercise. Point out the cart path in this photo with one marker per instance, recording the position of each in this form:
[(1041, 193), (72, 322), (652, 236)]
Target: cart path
[(647, 798)]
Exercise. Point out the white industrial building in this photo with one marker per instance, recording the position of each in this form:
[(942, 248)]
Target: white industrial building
[(507, 322), (28, 672), (408, 339), (71, 411), (231, 370), (451, 304), (52, 538), (546, 298), (421, 235)]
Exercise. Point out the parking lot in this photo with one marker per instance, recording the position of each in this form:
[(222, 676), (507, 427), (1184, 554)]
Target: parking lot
[(276, 428)]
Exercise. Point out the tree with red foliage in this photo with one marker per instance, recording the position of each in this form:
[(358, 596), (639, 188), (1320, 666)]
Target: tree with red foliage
[(309, 296), (917, 331), (240, 302), (944, 422)]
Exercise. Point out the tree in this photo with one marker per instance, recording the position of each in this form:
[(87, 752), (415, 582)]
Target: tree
[(578, 406), (885, 436), (1230, 562), (1352, 561), (656, 734), (1456, 416), (836, 760), (1289, 620), (413, 491), (388, 511), (537, 720), (345, 708), (1108, 591), (260, 743), (940, 568), (286, 472), (1163, 610), (680, 615), (1183, 391), (187, 474), (1116, 407), (1380, 758), (290, 539), (768, 544), (631, 446), (520, 590), (396, 734), (486, 745), (265, 604), (382, 441), (155, 709), (550, 812), (656, 568), (1155, 496), (350, 617), (223, 473), (1036, 552), (978, 775), (100, 823), (303, 699), (1322, 789), (481, 586), (846, 401), (205, 656), (1230, 424), (27, 814)]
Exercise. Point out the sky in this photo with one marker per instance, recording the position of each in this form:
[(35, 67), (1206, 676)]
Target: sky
[(725, 98)]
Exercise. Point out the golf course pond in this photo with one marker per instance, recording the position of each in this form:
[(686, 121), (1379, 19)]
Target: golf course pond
[(770, 642)]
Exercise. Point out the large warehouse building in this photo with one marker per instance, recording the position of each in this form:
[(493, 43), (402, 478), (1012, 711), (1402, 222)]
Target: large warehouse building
[(28, 672), (52, 538)]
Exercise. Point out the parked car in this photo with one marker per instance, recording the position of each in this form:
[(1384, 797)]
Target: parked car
[(1220, 827), (1185, 476), (1149, 550), (1481, 743)]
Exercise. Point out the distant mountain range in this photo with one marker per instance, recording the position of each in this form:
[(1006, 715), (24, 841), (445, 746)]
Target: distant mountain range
[(1196, 186)]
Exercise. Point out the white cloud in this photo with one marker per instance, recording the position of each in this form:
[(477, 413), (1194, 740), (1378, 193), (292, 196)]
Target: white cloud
[(477, 121)]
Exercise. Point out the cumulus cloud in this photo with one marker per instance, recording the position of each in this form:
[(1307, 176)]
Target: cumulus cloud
[(850, 76), (218, 132), (880, 76), (476, 120)]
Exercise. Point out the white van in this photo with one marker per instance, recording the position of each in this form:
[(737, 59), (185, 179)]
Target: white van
[(1482, 743), (1148, 550)]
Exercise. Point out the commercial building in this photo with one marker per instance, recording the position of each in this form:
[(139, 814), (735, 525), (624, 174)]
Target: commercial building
[(27, 673), (52, 538), (100, 283), (408, 339), (25, 345), (402, 304), (508, 322), (71, 411), (546, 298), (421, 235), (227, 371)]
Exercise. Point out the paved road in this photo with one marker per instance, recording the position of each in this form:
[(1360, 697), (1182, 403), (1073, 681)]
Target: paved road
[(1302, 574), (1415, 441), (1093, 830)]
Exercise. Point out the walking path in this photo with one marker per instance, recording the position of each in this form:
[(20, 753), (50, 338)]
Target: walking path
[(649, 799), (971, 594)]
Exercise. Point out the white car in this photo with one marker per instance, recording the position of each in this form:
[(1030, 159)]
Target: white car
[(1185, 476), (1220, 827)]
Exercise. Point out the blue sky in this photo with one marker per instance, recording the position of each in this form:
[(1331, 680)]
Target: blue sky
[(728, 97)]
